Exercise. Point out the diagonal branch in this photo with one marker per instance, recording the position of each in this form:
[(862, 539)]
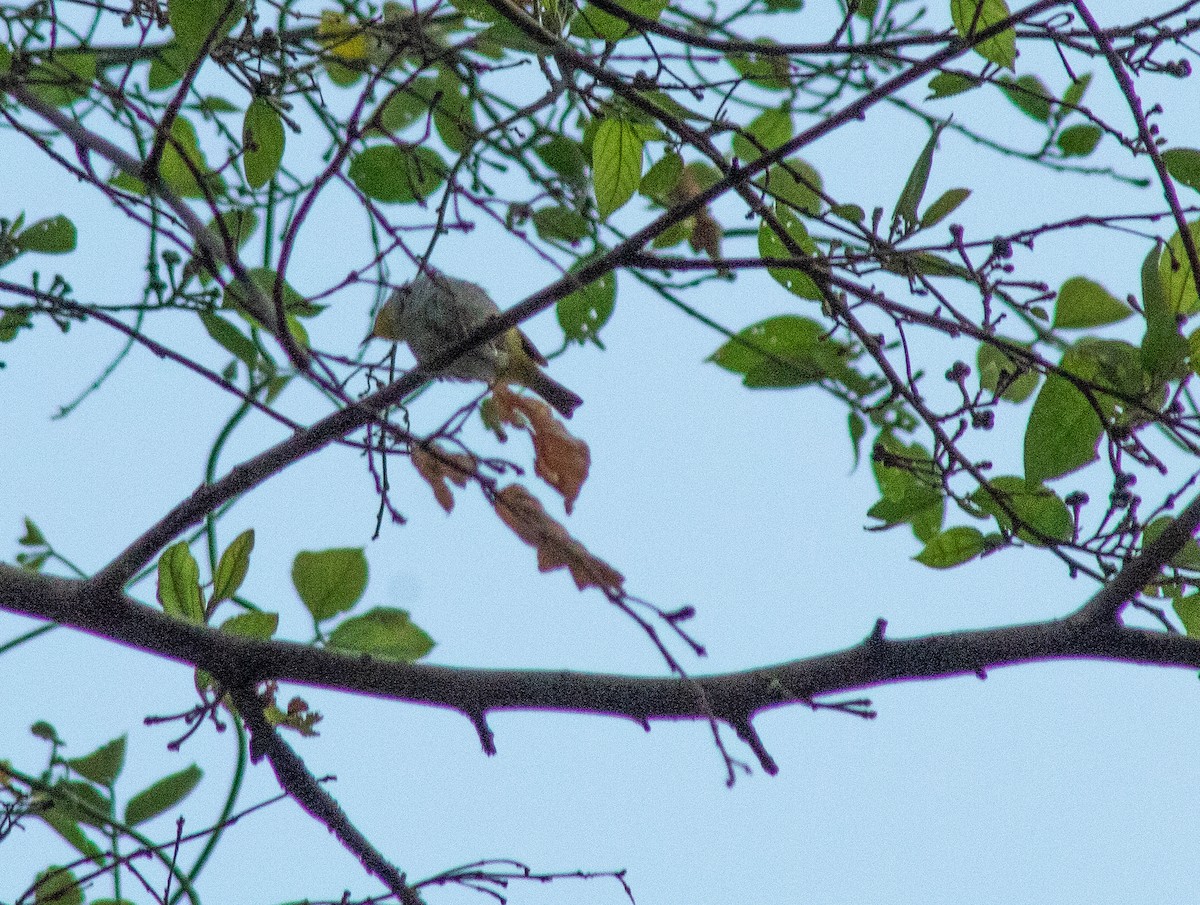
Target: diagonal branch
[(295, 779)]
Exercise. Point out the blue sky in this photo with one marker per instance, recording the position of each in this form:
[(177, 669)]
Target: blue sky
[(1066, 782)]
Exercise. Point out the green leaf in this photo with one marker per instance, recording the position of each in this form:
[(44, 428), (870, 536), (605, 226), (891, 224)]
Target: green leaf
[(127, 183), (1164, 349), (1062, 433), (330, 581), (61, 819), (906, 480), (951, 547), (1184, 166), (62, 78), (232, 569), (13, 321), (57, 886), (795, 183), (263, 141), (184, 167), (252, 624), (405, 105), (162, 796), (1116, 365), (767, 131), (342, 76), (785, 351), (1079, 141), (454, 114), (770, 245), (763, 68), (675, 233), (1188, 556), (905, 213), (585, 311), (479, 10), (197, 21), (1030, 95), (33, 536), (508, 35), (948, 84), (168, 66), (1083, 303), (560, 222), (233, 340), (382, 632), (1175, 274), (593, 22), (973, 16), (295, 305), (616, 164), (398, 175), (1000, 373), (52, 236), (214, 103), (1038, 511), (849, 212), (660, 180), (237, 224), (1074, 93), (945, 205), (81, 802), (671, 107), (5, 60), (563, 156), (179, 584), (858, 429), (103, 765), (1188, 611)]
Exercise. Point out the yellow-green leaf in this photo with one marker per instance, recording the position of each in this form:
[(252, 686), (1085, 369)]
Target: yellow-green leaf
[(179, 584), (616, 164), (232, 569), (383, 632), (103, 765), (262, 142), (330, 581), (1084, 303), (162, 796), (1184, 166), (252, 624), (398, 175), (52, 236), (951, 547), (1062, 433), (772, 246), (973, 16), (1080, 140)]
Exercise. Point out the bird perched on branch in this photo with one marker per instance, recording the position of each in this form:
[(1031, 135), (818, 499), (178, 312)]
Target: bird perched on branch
[(435, 312)]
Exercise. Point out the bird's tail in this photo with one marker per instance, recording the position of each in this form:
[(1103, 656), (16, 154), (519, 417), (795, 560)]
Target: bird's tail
[(563, 400)]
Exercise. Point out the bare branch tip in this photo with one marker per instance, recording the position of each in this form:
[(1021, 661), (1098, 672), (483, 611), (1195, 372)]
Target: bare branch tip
[(487, 738)]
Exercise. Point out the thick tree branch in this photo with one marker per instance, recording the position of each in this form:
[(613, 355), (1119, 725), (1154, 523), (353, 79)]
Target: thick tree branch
[(734, 698)]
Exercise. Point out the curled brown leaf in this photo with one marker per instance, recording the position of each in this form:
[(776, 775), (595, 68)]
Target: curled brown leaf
[(561, 459), (437, 466), (556, 549)]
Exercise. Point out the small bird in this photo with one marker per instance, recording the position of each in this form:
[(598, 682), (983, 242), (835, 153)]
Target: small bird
[(435, 312)]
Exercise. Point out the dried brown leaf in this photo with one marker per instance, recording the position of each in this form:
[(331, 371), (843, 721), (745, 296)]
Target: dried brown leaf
[(561, 459), (437, 466), (556, 549)]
